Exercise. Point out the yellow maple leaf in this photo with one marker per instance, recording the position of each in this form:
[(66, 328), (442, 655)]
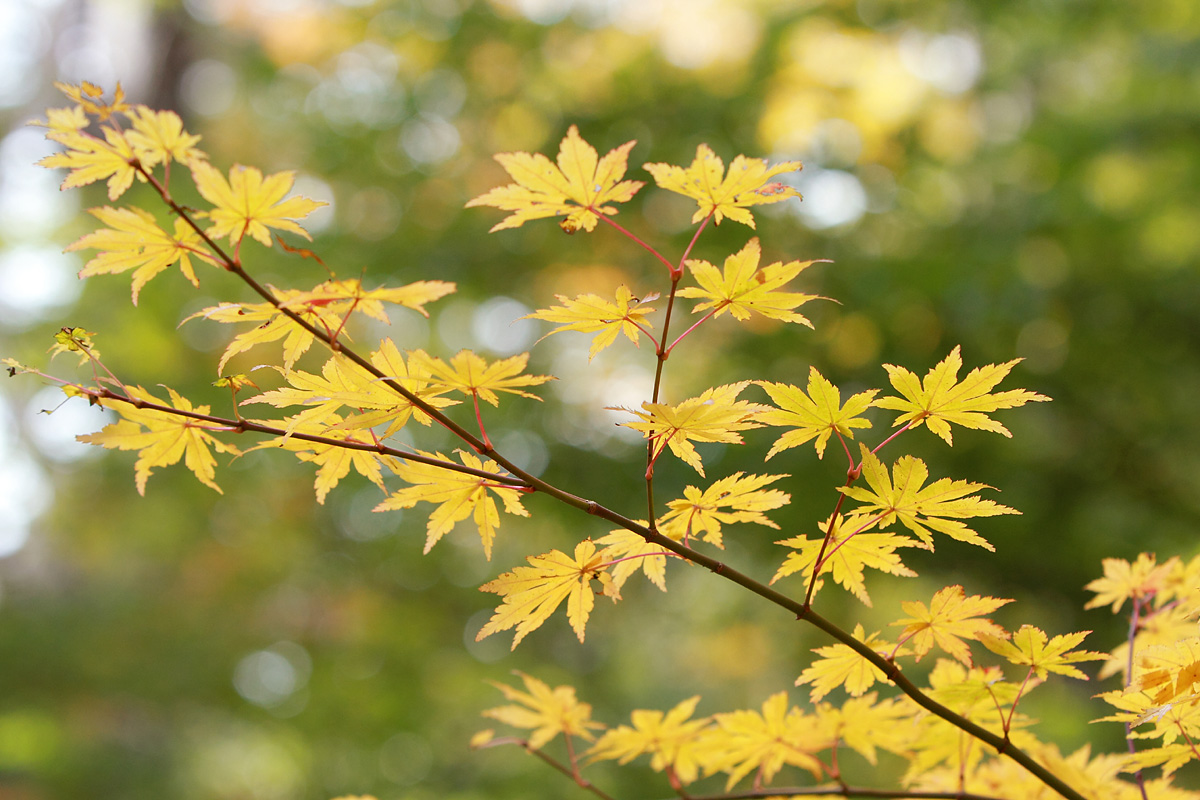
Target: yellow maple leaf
[(950, 618), (714, 416), (941, 398), (475, 377), (580, 186), (1169, 672), (161, 438), (743, 287), (158, 137), (153, 138), (63, 120), (458, 495), (671, 740), (699, 513), (90, 159), (1170, 757), (333, 461), (341, 383), (816, 414), (386, 406), (1030, 646), (841, 665), (1171, 721), (325, 307), (14, 368), (938, 506), (272, 325), (1091, 777), (344, 383), (74, 340), (133, 241), (590, 313), (1123, 580), (548, 712), (1182, 583), (1162, 628), (350, 295), (629, 553), (1136, 707), (532, 593), (976, 693), (972, 691), (851, 550), (482, 738), (235, 383), (90, 98), (746, 740), (249, 204), (865, 723), (747, 184)]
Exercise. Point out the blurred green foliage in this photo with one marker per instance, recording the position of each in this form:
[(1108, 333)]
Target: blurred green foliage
[(1018, 178)]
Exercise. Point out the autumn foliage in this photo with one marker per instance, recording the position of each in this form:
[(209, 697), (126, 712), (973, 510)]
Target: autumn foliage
[(957, 728)]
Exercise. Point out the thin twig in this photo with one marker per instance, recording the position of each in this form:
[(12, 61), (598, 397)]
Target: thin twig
[(242, 425)]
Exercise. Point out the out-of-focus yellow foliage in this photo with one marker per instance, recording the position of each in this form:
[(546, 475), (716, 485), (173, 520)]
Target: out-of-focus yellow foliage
[(832, 72)]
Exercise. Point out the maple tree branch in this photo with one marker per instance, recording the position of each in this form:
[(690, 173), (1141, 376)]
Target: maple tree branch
[(846, 448), (974, 735), (875, 520), (991, 690), (83, 347), (181, 212), (1190, 742), (695, 238), (242, 425), (479, 419), (964, 750), (572, 759), (605, 564), (977, 732), (802, 611), (237, 248), (842, 791), (697, 324), (341, 326), (234, 403), (1134, 623), (900, 640), (649, 333), (852, 474), (638, 240), (234, 266), (661, 354), (880, 446), (1012, 710), (812, 582), (553, 762), (321, 335)]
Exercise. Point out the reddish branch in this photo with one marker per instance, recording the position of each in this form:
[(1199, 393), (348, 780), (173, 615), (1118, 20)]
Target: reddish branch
[(243, 425)]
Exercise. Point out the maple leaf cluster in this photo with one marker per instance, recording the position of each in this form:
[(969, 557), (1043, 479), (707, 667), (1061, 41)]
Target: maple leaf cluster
[(1160, 663), (957, 726), (762, 743)]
